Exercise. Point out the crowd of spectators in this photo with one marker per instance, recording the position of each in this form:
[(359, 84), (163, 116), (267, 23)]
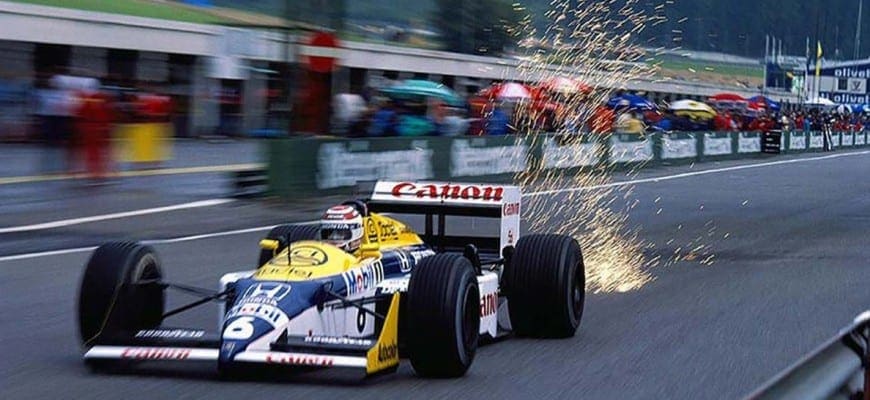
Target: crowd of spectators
[(378, 116), (73, 116)]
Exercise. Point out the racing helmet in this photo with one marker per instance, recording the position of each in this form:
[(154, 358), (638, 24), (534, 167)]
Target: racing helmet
[(342, 226)]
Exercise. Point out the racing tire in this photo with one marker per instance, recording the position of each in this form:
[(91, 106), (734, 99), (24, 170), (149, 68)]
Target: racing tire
[(545, 284), (443, 318), (290, 234), (120, 291)]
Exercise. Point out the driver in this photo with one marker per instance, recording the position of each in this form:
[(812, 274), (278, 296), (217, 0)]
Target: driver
[(342, 226)]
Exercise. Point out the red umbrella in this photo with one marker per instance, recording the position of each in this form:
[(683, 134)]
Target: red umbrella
[(564, 85), (732, 97), (507, 91)]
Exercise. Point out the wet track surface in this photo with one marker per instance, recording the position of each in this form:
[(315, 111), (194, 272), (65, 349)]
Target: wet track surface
[(791, 271)]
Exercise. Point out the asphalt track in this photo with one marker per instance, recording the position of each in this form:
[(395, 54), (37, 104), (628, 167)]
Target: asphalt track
[(791, 266)]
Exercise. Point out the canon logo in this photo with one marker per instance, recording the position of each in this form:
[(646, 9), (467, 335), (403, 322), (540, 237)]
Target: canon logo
[(447, 191), (291, 359)]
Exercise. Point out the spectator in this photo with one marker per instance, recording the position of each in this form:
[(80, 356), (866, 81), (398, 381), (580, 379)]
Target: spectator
[(414, 122), (497, 122), (384, 121)]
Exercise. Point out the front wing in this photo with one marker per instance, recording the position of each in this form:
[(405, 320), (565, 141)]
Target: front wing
[(372, 355)]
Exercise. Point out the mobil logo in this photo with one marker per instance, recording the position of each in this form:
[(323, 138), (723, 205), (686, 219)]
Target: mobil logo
[(448, 191), (363, 278)]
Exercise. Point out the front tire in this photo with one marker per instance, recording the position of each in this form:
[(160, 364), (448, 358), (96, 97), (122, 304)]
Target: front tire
[(120, 291), (545, 284), (443, 316)]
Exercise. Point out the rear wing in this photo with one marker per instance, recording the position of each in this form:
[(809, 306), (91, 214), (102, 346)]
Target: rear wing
[(437, 200)]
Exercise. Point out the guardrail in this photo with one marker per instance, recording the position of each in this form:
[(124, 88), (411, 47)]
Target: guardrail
[(319, 166), (835, 370)]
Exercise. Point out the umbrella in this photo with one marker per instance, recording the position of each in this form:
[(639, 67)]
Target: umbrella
[(843, 109), (507, 91), (413, 89), (565, 85), (732, 97), (729, 101), (765, 102), (631, 102), (820, 101), (692, 109)]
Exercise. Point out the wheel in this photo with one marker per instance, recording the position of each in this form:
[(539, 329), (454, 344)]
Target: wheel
[(443, 316), (545, 284), (120, 291), (287, 234)]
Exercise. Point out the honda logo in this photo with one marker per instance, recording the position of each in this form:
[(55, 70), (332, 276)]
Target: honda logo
[(272, 290)]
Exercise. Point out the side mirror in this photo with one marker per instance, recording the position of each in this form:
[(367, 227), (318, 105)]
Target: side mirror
[(269, 244), (372, 250)]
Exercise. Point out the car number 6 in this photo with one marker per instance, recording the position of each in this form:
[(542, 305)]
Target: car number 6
[(240, 329)]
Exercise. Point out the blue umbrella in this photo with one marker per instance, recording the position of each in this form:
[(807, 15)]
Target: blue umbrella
[(769, 103), (631, 102), (413, 89)]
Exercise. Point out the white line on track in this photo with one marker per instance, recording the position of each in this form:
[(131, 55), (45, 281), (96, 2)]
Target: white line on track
[(103, 217), (541, 193)]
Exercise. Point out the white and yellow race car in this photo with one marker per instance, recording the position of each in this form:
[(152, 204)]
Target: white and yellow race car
[(429, 297)]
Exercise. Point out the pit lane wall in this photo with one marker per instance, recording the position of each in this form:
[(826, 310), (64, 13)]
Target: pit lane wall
[(299, 167)]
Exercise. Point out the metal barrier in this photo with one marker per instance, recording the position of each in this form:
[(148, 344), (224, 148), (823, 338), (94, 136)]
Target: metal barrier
[(249, 183), (835, 370), (329, 165)]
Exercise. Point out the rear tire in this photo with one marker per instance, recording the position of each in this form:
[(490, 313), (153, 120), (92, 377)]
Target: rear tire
[(443, 316), (112, 298), (545, 284), (289, 234)]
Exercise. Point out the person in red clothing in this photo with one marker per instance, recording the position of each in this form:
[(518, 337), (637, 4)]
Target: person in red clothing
[(94, 117), (722, 122), (602, 120)]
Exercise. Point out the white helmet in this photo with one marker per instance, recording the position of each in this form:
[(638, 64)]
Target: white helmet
[(342, 226)]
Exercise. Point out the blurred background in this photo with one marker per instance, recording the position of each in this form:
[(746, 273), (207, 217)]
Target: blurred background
[(79, 75)]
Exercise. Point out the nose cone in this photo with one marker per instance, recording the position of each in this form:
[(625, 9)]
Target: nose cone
[(261, 313)]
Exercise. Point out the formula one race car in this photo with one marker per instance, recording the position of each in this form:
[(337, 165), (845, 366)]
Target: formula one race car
[(359, 290)]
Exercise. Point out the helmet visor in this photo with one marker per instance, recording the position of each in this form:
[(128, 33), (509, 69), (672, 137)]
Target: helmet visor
[(335, 234)]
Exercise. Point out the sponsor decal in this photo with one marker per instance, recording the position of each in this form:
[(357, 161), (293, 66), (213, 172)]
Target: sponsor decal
[(301, 273), (448, 191), (293, 359), (392, 286), (360, 279), (510, 236), (511, 209), (338, 164), (488, 304), (170, 333), (421, 254), (371, 231), (475, 158), (388, 352), (388, 230), (338, 340), (269, 313), (404, 261), (269, 290), (308, 256), (155, 353)]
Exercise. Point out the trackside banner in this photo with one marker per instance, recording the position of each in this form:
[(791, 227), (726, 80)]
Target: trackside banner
[(321, 166)]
